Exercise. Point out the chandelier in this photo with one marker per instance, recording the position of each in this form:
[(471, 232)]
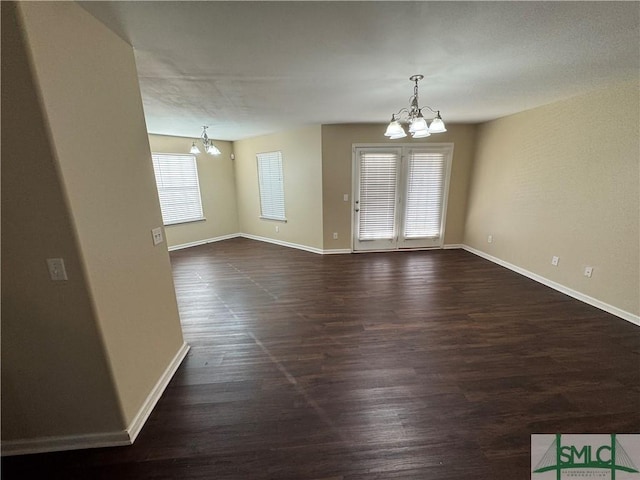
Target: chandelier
[(418, 127), (208, 145)]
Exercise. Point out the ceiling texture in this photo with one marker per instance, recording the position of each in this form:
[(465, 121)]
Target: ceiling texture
[(252, 68)]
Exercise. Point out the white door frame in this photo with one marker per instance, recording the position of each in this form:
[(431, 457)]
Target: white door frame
[(446, 148)]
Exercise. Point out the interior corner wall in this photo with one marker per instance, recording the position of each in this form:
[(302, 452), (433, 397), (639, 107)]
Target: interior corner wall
[(302, 169), (55, 374), (216, 176), (337, 142), (88, 86), (562, 180)]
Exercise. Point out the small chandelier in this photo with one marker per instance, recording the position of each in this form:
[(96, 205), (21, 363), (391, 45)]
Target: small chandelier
[(208, 145), (418, 127)]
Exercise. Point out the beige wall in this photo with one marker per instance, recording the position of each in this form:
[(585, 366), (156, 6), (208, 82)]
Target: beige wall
[(302, 169), (55, 375), (89, 92), (217, 189), (337, 141), (563, 180)]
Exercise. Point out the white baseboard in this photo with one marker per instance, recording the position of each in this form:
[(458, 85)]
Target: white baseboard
[(202, 242), (452, 246), (103, 439), (282, 243), (329, 251), (147, 407), (628, 316), (336, 251), (332, 251), (66, 442)]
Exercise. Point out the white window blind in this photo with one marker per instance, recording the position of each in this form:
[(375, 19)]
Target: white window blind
[(378, 180), (178, 187), (425, 186), (271, 182)]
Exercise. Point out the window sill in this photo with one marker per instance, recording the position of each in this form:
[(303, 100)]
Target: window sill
[(283, 220), (182, 222)]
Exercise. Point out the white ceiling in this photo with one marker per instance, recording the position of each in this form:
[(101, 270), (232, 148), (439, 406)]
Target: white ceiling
[(250, 68)]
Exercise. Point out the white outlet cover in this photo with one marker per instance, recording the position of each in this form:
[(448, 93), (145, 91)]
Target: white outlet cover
[(554, 261)]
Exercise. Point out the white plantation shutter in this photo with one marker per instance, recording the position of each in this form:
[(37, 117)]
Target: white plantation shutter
[(178, 187), (378, 180), (425, 187), (271, 184)]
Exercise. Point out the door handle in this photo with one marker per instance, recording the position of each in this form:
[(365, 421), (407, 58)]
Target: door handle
[(357, 209)]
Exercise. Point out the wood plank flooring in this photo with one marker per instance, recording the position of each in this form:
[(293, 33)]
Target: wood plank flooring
[(432, 365)]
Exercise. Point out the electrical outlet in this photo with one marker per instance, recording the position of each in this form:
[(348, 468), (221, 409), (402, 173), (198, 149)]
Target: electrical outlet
[(490, 239), (335, 235), (156, 233), (277, 228), (345, 197), (588, 271), (554, 261), (57, 272)]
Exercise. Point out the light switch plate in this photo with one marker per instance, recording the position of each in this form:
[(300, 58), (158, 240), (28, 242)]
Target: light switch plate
[(156, 233), (57, 272)]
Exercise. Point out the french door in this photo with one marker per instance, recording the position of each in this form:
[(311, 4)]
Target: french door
[(400, 196)]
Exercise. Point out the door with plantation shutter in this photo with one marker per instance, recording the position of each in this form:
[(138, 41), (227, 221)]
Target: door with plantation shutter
[(400, 196)]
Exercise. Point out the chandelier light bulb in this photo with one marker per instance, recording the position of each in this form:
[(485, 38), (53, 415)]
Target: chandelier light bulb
[(437, 125), (400, 134), (212, 150), (418, 124), (421, 134), (394, 129)]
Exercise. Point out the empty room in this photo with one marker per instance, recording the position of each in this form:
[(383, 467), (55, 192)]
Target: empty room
[(320, 240)]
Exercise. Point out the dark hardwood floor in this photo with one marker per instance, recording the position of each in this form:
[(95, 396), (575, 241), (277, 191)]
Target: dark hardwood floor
[(432, 365)]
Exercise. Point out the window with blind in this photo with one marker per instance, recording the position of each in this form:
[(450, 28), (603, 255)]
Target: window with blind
[(378, 180), (178, 187), (423, 206), (271, 183)]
